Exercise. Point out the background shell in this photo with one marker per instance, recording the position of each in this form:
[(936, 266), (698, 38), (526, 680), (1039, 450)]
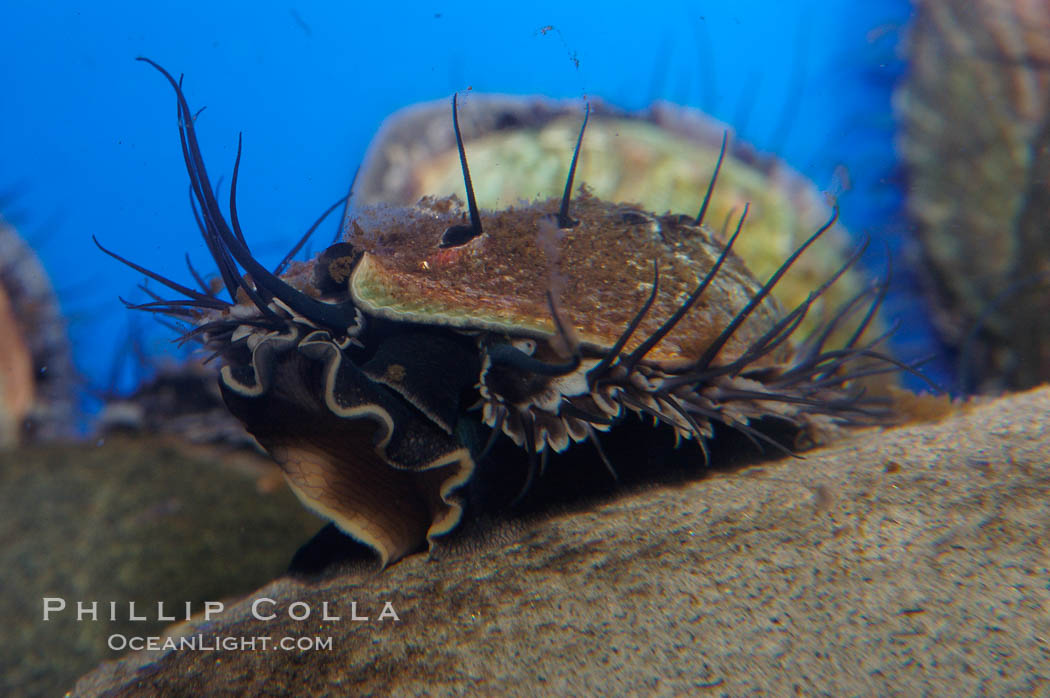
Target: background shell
[(976, 138), (37, 379)]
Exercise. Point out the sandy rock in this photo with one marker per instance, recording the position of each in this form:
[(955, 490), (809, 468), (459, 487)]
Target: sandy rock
[(902, 562), (132, 520)]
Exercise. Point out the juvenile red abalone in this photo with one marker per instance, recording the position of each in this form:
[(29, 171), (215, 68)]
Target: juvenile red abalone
[(381, 374)]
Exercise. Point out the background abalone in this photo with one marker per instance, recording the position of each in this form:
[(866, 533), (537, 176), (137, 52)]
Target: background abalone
[(975, 135), (37, 381)]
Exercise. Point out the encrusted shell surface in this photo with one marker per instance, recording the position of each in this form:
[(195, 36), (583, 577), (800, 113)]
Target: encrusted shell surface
[(976, 136), (660, 160), (599, 273)]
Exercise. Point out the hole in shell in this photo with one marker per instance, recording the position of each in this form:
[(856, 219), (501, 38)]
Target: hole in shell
[(634, 217), (457, 235), (569, 222)]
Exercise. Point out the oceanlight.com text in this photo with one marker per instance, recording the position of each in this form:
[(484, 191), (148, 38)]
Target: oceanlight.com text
[(214, 643)]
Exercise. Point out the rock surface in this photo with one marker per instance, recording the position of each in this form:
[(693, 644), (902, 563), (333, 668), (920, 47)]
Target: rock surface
[(903, 562), (132, 520)]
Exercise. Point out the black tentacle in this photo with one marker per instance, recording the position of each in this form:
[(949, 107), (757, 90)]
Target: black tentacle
[(593, 438), (227, 268), (880, 296), (508, 355), (180, 304), (174, 286), (786, 326), (197, 277), (459, 234), (698, 433), (610, 356), (335, 317), (306, 236), (711, 184), (571, 410), (716, 346), (233, 195), (628, 402), (564, 221), (639, 353), (497, 429), (346, 209), (181, 312), (229, 325), (528, 425)]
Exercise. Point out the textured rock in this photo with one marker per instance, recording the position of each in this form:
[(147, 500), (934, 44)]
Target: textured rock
[(133, 520), (975, 135), (903, 562)]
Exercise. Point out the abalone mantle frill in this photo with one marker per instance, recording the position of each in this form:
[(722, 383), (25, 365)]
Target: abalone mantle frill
[(600, 272)]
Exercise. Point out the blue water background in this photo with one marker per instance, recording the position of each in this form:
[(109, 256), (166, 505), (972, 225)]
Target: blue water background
[(90, 145)]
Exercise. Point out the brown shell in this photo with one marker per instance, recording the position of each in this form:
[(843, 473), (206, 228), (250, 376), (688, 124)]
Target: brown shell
[(660, 159), (599, 272)]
